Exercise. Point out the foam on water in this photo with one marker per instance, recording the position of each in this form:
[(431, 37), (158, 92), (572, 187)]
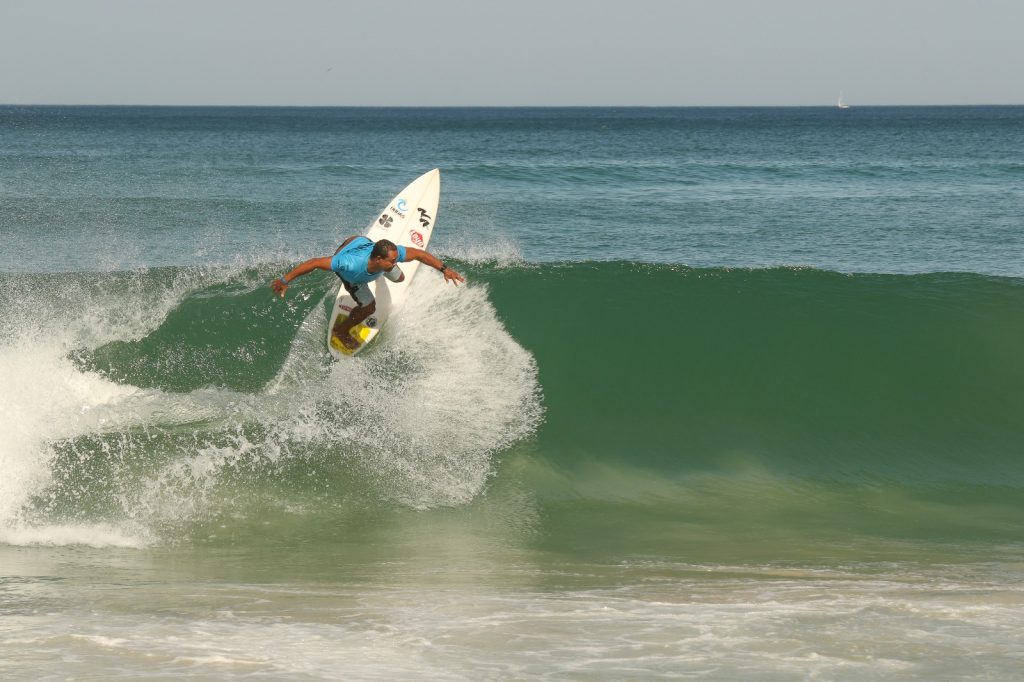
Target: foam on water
[(47, 398), (96, 535), (421, 415), (637, 621)]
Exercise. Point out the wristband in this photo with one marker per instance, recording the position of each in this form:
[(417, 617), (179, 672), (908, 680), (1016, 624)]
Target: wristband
[(284, 281), (443, 268)]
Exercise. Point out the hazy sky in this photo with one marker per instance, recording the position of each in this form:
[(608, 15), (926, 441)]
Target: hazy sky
[(522, 52)]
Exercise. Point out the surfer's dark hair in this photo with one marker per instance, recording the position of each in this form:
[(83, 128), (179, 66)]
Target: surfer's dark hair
[(382, 248)]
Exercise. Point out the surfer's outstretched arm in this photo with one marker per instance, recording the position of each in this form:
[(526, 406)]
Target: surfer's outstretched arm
[(427, 258), (280, 285)]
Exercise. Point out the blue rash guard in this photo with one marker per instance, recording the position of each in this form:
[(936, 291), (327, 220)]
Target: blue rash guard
[(350, 263)]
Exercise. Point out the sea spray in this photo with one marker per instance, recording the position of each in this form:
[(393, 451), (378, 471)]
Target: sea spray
[(416, 421), (443, 390), (49, 398)]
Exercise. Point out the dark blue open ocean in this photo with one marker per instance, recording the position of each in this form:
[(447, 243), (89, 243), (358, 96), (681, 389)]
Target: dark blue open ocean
[(729, 394)]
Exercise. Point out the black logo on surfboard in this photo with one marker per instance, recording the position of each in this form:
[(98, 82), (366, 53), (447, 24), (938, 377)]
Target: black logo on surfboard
[(424, 218)]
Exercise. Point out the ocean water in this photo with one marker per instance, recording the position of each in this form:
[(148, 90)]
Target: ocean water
[(729, 394)]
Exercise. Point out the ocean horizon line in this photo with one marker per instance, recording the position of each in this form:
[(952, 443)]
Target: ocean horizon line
[(500, 106)]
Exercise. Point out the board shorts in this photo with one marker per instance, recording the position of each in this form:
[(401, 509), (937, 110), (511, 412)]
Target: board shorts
[(361, 291)]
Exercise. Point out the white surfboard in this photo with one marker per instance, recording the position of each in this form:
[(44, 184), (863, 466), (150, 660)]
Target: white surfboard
[(409, 221)]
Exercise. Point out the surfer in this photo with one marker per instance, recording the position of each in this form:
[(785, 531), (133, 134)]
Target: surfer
[(357, 262)]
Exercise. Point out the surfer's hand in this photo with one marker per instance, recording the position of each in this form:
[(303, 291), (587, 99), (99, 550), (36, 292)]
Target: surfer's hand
[(279, 286), (452, 276)]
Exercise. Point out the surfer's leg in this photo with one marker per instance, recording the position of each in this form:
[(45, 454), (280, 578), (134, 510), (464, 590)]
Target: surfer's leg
[(367, 306), (343, 327)]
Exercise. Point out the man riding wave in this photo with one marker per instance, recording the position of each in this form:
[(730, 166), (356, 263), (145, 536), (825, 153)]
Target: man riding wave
[(357, 262)]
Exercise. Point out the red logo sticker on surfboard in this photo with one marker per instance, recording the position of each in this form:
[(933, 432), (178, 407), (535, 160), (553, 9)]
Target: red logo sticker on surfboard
[(416, 238)]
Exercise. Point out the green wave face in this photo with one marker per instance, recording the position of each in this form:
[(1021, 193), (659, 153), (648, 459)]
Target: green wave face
[(814, 373), (739, 413)]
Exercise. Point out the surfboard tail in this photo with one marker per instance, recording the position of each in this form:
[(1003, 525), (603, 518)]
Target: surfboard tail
[(361, 333)]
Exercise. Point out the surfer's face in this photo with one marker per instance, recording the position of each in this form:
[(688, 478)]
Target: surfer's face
[(387, 262)]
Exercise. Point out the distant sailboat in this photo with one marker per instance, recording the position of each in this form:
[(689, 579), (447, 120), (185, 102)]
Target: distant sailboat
[(841, 104)]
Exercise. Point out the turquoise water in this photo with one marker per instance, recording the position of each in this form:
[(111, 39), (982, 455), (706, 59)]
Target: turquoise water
[(730, 393)]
